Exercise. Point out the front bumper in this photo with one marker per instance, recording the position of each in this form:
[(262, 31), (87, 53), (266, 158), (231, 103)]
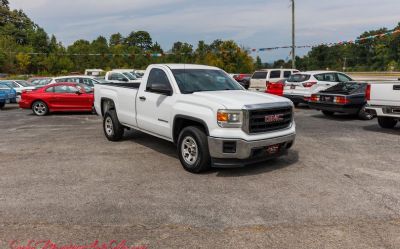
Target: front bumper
[(246, 152)]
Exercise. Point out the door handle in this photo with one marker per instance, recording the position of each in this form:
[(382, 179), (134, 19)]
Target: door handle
[(142, 98)]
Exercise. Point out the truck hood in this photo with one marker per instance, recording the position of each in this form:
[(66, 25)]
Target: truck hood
[(238, 99)]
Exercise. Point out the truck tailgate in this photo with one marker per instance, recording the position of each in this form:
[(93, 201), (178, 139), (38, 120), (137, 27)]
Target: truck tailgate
[(387, 94)]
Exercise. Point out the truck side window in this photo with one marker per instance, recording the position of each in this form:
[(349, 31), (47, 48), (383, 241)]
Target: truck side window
[(157, 77)]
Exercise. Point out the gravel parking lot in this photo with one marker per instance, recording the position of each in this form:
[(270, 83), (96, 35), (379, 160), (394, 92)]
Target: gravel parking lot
[(60, 179)]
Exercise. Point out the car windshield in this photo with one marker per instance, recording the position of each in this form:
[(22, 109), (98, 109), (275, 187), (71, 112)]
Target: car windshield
[(130, 76), (347, 87), (200, 80), (298, 77), (24, 83)]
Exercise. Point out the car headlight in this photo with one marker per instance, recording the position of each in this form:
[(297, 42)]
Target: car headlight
[(230, 118)]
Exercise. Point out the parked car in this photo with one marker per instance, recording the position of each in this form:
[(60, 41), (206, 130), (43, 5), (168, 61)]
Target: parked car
[(58, 97), (89, 81), (276, 88), (240, 77), (346, 97), (121, 77), (300, 86), (245, 82), (94, 72), (7, 95), (207, 114), (261, 78), (384, 102), (40, 81), (19, 86)]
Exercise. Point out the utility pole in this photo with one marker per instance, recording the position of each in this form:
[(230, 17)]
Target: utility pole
[(293, 36)]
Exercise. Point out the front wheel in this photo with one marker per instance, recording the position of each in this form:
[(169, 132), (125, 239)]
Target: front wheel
[(386, 122), (193, 150), (40, 108), (113, 129)]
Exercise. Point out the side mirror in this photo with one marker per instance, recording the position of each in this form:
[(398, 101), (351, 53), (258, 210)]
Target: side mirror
[(161, 89)]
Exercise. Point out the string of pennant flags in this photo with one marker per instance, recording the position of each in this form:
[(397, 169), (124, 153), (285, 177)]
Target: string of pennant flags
[(358, 40), (253, 50)]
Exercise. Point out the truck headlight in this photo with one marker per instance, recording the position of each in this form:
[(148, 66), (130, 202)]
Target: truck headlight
[(230, 118)]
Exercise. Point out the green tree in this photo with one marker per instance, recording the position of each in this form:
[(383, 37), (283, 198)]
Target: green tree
[(23, 61), (116, 39), (258, 64)]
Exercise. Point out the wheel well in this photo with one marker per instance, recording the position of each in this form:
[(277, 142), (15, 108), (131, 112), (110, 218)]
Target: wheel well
[(106, 105), (181, 122)]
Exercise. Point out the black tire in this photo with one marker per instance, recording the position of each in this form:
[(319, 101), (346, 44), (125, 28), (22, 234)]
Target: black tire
[(386, 122), (328, 113), (39, 108), (364, 115), (200, 160), (2, 105), (113, 130)]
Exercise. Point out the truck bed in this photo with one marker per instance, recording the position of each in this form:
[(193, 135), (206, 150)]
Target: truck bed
[(385, 94)]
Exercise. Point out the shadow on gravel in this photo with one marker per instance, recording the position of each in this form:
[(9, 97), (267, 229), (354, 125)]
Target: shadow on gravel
[(10, 107), (167, 148), (338, 117), (259, 168), (154, 143), (377, 128)]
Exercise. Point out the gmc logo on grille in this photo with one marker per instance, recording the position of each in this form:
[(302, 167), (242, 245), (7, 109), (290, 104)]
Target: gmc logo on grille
[(273, 118)]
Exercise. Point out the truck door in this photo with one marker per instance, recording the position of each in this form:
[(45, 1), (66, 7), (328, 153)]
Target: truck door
[(153, 107)]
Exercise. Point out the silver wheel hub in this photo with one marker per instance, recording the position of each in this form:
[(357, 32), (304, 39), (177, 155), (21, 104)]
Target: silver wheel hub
[(108, 125), (39, 108), (189, 150)]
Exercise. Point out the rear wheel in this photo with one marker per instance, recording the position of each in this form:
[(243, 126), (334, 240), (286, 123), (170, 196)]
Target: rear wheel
[(113, 129), (386, 122), (40, 108), (364, 115), (193, 150), (328, 113)]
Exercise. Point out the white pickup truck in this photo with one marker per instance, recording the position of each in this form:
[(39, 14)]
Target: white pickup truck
[(384, 102), (211, 118)]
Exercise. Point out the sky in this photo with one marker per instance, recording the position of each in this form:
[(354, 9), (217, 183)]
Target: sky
[(251, 23)]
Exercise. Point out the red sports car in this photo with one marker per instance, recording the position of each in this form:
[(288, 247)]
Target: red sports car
[(60, 97)]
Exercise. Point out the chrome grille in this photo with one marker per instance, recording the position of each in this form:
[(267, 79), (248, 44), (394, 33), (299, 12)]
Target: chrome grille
[(257, 119)]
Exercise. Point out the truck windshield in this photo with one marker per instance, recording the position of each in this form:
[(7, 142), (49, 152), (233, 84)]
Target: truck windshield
[(200, 80)]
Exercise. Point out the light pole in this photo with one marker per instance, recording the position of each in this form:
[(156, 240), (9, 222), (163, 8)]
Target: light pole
[(293, 37)]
